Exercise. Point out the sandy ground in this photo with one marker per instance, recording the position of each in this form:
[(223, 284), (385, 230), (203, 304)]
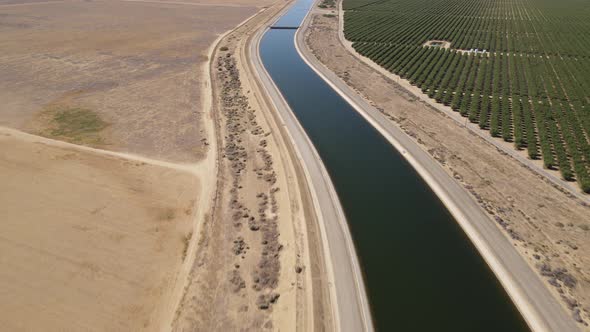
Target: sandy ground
[(253, 269), (136, 64), (549, 227), (88, 241)]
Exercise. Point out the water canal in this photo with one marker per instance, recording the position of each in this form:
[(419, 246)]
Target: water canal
[(421, 271)]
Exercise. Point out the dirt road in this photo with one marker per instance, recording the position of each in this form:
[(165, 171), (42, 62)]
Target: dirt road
[(259, 266)]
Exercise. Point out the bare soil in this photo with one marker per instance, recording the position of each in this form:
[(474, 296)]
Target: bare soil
[(87, 241), (438, 43), (549, 227)]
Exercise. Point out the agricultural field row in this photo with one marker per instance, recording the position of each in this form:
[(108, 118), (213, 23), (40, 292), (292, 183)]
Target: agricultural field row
[(528, 82)]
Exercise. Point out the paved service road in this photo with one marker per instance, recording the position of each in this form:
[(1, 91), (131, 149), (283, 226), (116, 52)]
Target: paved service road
[(533, 298)]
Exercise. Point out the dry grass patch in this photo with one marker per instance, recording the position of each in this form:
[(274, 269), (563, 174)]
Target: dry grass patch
[(74, 125)]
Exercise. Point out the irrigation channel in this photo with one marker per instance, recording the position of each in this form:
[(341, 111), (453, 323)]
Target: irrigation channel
[(421, 271)]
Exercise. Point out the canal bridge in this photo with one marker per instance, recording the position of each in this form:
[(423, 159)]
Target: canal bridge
[(283, 27)]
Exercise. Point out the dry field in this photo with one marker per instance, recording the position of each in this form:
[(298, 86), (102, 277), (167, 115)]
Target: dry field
[(136, 64), (88, 242), (90, 239), (548, 227)]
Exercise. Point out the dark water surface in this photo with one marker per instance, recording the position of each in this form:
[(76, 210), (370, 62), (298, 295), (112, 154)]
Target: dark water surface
[(421, 271)]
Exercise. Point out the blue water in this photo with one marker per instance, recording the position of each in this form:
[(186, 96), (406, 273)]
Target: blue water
[(422, 273), (296, 13)]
